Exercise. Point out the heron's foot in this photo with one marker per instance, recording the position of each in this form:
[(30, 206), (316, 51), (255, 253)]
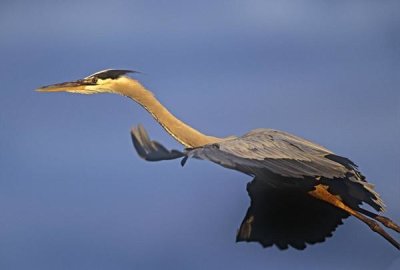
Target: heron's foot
[(387, 222), (376, 228)]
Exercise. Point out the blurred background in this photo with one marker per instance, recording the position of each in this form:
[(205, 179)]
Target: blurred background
[(74, 194)]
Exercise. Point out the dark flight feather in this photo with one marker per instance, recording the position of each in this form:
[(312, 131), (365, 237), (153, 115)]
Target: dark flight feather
[(287, 217)]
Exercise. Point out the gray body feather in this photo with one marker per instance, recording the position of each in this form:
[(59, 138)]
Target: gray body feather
[(282, 159)]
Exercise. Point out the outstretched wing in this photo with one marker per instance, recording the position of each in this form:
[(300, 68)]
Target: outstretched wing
[(270, 153), (281, 212), (286, 217), (151, 150)]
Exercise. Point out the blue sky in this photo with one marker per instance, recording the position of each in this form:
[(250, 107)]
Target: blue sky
[(74, 195)]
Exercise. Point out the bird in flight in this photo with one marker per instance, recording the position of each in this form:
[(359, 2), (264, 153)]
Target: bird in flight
[(300, 190)]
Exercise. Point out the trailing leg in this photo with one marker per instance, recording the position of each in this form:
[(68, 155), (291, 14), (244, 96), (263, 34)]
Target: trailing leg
[(321, 192)]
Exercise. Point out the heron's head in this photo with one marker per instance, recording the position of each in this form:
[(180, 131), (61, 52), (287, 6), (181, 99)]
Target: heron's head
[(105, 81)]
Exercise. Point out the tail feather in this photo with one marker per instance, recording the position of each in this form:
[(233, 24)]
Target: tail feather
[(354, 188)]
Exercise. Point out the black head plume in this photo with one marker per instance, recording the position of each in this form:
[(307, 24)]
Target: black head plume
[(110, 74)]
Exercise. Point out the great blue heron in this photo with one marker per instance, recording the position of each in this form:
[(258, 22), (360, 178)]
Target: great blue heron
[(301, 191)]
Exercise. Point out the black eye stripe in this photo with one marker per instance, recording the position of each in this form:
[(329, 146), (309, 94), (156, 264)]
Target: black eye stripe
[(87, 81)]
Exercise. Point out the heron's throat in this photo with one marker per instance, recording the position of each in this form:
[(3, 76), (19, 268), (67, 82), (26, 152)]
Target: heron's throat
[(179, 130)]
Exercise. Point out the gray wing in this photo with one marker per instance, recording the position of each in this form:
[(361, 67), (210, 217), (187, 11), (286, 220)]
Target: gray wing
[(151, 150), (283, 159), (276, 151)]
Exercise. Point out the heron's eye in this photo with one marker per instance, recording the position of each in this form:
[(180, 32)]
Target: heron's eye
[(94, 80)]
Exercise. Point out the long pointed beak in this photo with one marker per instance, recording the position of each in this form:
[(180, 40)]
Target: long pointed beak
[(75, 86)]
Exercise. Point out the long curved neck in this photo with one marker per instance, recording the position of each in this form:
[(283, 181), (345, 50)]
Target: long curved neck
[(179, 130)]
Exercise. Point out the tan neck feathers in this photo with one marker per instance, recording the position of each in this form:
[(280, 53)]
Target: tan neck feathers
[(179, 130)]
